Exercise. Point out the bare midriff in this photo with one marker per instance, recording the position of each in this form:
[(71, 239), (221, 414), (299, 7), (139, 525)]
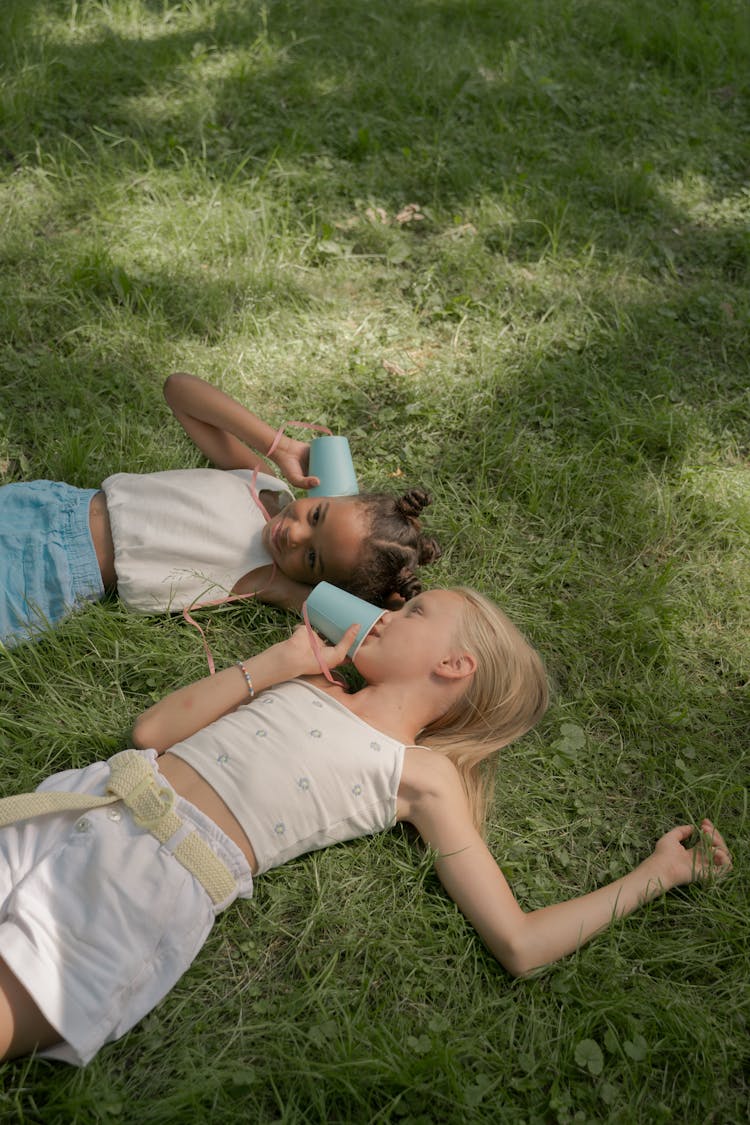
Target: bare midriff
[(101, 537), (195, 789)]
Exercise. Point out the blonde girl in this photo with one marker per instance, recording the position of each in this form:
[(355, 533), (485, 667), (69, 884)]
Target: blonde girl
[(106, 903)]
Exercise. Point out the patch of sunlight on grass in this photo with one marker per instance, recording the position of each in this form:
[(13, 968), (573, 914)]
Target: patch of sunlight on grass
[(727, 487), (27, 199), (696, 195), (123, 18)]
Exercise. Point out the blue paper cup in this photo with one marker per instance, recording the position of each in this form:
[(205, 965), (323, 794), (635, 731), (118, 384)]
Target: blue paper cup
[(331, 461), (332, 611)]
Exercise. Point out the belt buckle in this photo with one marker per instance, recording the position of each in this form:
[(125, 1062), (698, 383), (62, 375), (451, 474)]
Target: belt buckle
[(164, 797)]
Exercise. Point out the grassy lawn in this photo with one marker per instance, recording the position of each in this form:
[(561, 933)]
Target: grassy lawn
[(505, 248)]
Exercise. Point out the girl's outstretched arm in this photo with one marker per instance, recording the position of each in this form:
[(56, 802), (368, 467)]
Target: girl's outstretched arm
[(189, 709), (523, 941), (228, 434)]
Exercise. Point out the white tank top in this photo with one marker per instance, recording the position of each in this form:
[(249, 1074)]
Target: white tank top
[(298, 770), (185, 535)]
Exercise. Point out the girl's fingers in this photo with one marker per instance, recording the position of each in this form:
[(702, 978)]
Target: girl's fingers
[(708, 858), (348, 638), (338, 651), (713, 834), (717, 859), (722, 856), (682, 832)]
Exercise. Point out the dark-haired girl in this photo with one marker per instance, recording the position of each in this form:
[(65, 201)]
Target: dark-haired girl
[(169, 541)]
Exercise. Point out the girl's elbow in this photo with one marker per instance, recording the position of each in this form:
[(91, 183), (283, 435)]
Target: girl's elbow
[(516, 965), (512, 961), (515, 955), (144, 735), (522, 962)]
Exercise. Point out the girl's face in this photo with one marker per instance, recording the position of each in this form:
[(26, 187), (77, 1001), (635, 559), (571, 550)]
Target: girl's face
[(414, 640), (317, 538)]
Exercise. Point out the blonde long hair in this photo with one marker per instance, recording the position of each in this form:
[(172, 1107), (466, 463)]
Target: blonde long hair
[(505, 698)]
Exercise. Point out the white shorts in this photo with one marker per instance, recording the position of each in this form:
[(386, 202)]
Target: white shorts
[(98, 920)]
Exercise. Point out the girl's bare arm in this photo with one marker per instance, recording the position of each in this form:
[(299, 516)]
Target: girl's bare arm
[(189, 709), (523, 941), (229, 434), (280, 590)]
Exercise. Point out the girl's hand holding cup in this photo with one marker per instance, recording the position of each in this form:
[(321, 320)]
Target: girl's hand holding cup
[(324, 467), (303, 661), (293, 458)]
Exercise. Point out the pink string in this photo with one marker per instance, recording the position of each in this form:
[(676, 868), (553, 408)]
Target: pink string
[(315, 646), (186, 613), (271, 449), (219, 601)]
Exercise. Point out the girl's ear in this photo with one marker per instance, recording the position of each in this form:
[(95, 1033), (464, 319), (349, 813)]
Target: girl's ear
[(457, 666)]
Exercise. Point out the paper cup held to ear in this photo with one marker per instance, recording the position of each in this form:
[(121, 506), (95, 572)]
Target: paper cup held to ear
[(331, 462), (331, 611)]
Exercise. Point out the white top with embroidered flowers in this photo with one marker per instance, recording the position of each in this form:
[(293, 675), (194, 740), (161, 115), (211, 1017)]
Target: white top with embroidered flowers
[(185, 535), (298, 770)]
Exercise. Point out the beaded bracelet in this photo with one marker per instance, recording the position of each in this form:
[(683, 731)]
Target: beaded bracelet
[(248, 681)]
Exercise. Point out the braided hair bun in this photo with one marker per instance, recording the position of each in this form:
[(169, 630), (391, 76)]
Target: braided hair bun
[(428, 550), (394, 547), (406, 584), (411, 504)]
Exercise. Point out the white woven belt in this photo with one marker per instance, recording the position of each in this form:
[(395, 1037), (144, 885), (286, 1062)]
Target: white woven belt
[(132, 781)]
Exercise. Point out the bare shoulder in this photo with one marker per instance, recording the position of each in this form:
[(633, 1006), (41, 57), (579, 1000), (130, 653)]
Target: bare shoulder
[(427, 777), (429, 767)]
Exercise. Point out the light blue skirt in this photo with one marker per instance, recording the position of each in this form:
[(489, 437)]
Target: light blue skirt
[(48, 564)]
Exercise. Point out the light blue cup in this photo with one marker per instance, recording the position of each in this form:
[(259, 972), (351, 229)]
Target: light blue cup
[(331, 462), (332, 611)]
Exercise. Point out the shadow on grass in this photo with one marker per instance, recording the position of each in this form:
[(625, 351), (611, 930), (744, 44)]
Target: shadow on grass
[(564, 120)]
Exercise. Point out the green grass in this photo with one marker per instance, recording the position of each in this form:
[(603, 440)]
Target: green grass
[(558, 350)]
